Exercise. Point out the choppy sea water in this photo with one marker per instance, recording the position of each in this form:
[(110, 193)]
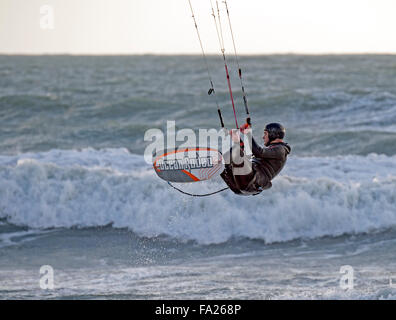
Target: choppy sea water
[(76, 193)]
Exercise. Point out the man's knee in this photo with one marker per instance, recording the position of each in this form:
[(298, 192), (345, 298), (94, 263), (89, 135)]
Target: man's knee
[(243, 169)]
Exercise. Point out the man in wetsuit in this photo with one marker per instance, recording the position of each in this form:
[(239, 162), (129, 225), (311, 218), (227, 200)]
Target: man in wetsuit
[(265, 164)]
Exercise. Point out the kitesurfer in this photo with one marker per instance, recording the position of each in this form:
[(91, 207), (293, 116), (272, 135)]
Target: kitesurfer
[(251, 176)]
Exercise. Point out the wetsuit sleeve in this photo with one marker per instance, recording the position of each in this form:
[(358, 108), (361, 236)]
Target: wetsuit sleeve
[(266, 153)]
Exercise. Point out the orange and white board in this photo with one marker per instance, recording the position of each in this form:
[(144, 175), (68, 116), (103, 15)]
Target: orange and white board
[(190, 164)]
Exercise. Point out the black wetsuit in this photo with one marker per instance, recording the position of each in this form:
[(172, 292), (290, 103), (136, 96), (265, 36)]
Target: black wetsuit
[(266, 163)]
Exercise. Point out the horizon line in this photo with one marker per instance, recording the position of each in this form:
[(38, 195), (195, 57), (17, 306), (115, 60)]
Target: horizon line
[(196, 54)]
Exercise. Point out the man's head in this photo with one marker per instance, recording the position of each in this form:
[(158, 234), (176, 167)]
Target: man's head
[(273, 132)]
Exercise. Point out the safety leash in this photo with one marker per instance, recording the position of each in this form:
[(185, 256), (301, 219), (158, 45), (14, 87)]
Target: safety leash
[(197, 195)]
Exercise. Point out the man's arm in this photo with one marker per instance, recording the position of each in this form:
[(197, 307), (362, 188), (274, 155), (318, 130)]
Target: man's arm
[(266, 153)]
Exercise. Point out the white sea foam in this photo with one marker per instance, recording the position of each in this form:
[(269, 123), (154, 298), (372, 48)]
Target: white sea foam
[(13, 238), (313, 197)]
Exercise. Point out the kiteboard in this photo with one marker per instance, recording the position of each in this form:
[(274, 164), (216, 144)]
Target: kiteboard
[(186, 165)]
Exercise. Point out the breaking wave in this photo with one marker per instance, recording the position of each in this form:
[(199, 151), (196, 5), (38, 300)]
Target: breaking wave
[(313, 197)]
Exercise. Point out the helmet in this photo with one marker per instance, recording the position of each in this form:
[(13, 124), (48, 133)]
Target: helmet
[(275, 131)]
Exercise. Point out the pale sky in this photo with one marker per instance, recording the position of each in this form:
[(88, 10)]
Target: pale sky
[(166, 26)]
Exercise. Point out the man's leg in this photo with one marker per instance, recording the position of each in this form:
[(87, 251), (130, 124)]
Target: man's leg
[(229, 179), (238, 169)]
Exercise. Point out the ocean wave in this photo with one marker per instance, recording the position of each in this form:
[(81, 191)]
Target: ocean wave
[(313, 197)]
